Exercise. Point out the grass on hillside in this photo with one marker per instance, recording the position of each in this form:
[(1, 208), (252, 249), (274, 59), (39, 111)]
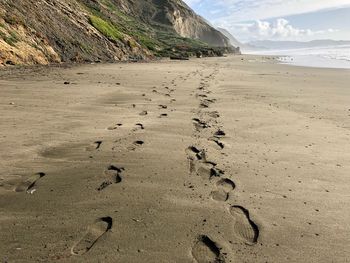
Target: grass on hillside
[(107, 29), (10, 39), (160, 39)]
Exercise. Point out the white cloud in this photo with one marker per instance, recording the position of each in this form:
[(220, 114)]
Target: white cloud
[(237, 16), (278, 29), (245, 10)]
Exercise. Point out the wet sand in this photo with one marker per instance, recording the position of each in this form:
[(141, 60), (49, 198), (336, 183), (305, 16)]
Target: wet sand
[(207, 160)]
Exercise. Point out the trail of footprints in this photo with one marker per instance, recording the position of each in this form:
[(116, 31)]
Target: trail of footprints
[(112, 175), (205, 249)]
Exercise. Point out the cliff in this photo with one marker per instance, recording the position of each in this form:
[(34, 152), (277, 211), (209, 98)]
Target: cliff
[(53, 31)]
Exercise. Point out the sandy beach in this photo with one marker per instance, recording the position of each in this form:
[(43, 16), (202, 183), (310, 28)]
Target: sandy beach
[(232, 159)]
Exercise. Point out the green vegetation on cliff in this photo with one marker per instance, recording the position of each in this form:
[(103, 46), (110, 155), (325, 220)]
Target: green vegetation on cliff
[(43, 32), (106, 28)]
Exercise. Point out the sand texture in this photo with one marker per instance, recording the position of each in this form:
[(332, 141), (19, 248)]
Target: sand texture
[(234, 159)]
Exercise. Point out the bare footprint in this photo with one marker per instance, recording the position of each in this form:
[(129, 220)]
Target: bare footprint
[(206, 251), (113, 175), (139, 126), (114, 127), (28, 184), (224, 187), (244, 227), (92, 235), (94, 146)]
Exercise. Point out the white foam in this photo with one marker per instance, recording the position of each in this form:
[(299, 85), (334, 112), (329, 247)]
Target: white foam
[(324, 57)]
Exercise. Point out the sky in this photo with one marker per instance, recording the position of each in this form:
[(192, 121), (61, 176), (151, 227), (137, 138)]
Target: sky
[(297, 20)]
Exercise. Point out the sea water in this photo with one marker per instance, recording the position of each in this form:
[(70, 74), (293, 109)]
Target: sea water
[(323, 57)]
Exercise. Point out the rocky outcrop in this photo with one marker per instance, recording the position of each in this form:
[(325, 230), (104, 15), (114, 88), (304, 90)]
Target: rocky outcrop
[(53, 31)]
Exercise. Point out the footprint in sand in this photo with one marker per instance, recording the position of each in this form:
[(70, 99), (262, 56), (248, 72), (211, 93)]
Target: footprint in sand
[(143, 113), (219, 134), (139, 126), (210, 100), (208, 170), (244, 227), (113, 174), (94, 146), (206, 251), (201, 95), (163, 115), (205, 103), (135, 145), (194, 151), (92, 235), (199, 165), (23, 185), (163, 106), (114, 127), (194, 155), (217, 142), (138, 143), (29, 183), (199, 124), (214, 114), (224, 187)]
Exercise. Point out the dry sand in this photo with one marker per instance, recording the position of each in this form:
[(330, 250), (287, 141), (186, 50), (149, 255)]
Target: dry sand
[(208, 160)]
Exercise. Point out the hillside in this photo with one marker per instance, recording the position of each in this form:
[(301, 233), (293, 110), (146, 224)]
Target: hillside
[(51, 31)]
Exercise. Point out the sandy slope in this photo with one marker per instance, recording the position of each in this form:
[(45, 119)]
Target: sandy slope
[(87, 176)]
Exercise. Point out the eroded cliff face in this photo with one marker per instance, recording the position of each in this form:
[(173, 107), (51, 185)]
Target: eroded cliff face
[(49, 31), (188, 24), (178, 16), (53, 31)]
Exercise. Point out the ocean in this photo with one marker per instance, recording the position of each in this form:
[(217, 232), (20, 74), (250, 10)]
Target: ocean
[(322, 57)]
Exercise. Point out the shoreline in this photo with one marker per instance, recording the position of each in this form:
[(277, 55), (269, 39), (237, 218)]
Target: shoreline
[(314, 62), (161, 159), (261, 58), (286, 57)]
